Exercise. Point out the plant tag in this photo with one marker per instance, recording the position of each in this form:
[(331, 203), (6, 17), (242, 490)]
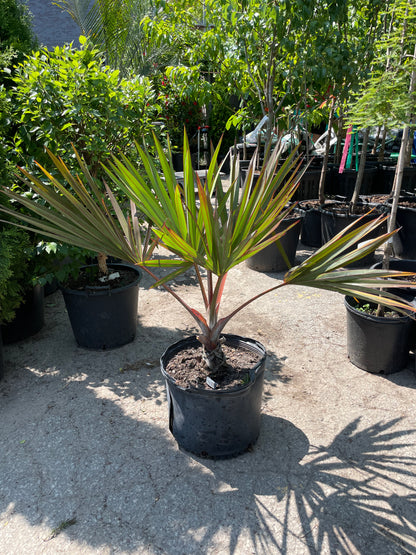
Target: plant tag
[(110, 277), (210, 382)]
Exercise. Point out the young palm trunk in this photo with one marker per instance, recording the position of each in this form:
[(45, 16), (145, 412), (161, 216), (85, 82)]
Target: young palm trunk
[(102, 264)]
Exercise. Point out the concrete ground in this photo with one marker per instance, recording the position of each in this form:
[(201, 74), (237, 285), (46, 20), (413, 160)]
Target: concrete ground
[(88, 465)]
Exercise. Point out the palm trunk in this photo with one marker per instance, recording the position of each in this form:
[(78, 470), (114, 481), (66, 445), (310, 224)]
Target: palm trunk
[(102, 264)]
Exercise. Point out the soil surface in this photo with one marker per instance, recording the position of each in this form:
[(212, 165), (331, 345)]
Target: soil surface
[(189, 369), (90, 278), (344, 208)]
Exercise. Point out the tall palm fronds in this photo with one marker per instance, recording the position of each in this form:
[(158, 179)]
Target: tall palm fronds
[(115, 27)]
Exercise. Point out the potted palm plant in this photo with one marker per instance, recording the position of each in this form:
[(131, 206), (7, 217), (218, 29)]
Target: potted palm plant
[(214, 380), (101, 299)]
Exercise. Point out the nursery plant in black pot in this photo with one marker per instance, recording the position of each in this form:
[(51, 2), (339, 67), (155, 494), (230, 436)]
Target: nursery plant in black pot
[(214, 380), (381, 103), (102, 298)]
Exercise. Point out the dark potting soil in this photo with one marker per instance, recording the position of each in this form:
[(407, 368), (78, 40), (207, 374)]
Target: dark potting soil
[(344, 208), (89, 278), (372, 311), (377, 199), (189, 370), (309, 204), (407, 204)]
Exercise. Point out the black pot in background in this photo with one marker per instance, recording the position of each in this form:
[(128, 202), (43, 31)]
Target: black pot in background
[(376, 344), (29, 317), (406, 220), (311, 233), (177, 161), (385, 178), (309, 185), (270, 259), (343, 184), (214, 423), (226, 166), (104, 318)]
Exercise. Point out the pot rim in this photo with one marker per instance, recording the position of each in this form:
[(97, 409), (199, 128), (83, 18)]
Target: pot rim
[(104, 290), (379, 319), (233, 339)]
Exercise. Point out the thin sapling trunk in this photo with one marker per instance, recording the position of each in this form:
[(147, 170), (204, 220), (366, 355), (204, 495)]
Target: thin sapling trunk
[(321, 190), (360, 174)]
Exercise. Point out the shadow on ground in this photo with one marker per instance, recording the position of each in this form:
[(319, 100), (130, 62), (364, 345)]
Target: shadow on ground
[(87, 464), (93, 463)]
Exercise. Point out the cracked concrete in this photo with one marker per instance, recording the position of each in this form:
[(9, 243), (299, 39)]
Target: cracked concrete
[(88, 466)]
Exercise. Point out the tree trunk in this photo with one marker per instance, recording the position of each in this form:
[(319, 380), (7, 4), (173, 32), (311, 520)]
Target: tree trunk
[(376, 141), (321, 192), (383, 145), (338, 150), (360, 174)]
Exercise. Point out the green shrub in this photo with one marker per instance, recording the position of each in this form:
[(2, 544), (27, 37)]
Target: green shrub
[(14, 246), (69, 96), (16, 36)]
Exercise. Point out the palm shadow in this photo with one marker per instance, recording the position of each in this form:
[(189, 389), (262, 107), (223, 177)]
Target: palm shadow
[(338, 498), (85, 440)]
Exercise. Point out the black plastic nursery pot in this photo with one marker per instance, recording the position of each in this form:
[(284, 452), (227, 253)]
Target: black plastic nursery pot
[(377, 344), (177, 161), (309, 185), (311, 233), (408, 294), (406, 220), (214, 423), (29, 318), (104, 318), (386, 174), (343, 184), (270, 258)]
